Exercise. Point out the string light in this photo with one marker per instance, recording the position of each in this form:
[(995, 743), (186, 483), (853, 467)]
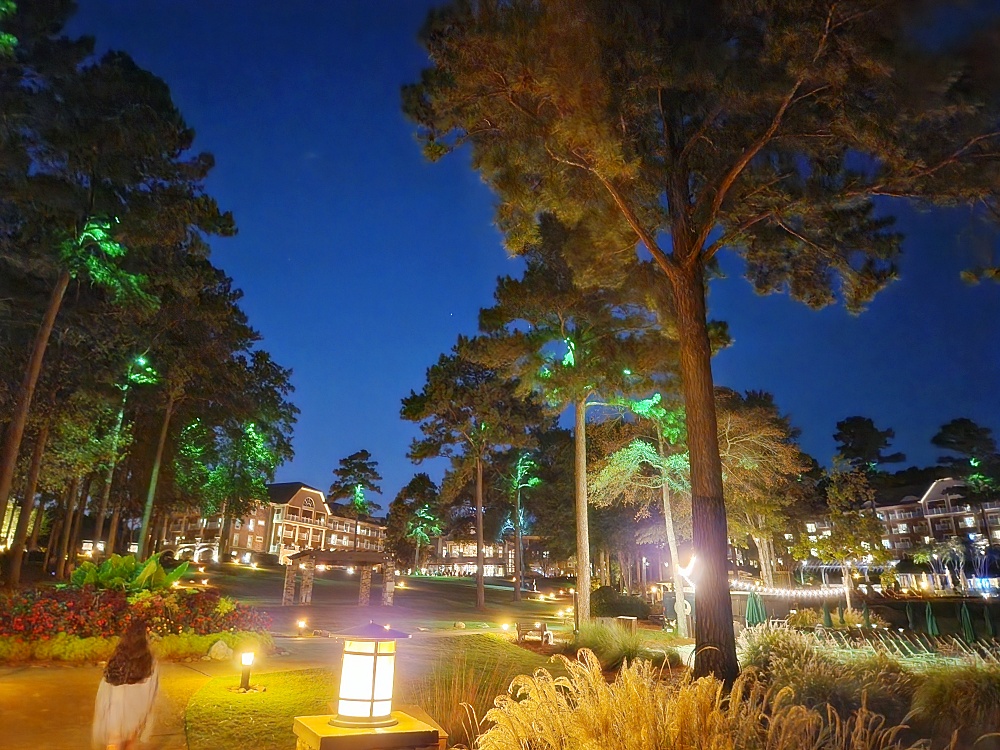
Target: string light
[(822, 593)]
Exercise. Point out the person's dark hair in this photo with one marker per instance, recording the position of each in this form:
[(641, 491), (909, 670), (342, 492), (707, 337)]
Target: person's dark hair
[(132, 661)]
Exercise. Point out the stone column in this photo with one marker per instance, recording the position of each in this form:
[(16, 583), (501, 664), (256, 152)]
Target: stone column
[(388, 584), (365, 594), (306, 592), (288, 594)]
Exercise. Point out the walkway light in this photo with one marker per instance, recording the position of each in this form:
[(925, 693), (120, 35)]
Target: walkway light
[(302, 627), (366, 677), (246, 659)]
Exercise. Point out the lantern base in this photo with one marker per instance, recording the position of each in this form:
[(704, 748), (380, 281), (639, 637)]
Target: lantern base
[(350, 722), (414, 730)]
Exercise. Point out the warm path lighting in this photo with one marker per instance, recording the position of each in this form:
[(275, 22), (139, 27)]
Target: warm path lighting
[(246, 659), (366, 678), (302, 627)]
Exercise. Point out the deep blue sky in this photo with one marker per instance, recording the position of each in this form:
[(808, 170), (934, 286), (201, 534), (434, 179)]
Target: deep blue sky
[(361, 263)]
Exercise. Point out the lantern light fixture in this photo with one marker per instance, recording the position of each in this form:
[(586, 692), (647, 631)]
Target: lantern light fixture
[(366, 676), (302, 627)]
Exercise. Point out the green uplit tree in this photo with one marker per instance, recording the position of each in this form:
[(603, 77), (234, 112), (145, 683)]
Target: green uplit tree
[(467, 412), (768, 129), (357, 473), (570, 346), (523, 477)]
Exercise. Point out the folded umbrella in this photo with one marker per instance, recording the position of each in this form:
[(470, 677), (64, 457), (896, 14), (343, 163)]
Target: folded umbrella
[(866, 615), (911, 617), (827, 620), (932, 626), (968, 632)]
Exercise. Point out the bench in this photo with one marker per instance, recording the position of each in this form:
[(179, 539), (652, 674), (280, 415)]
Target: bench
[(526, 628)]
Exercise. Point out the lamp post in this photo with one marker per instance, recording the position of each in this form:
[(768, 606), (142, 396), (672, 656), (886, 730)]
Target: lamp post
[(246, 659), (576, 613), (302, 627), (366, 677)]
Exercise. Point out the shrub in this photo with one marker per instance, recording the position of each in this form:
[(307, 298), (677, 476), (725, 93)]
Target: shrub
[(638, 711), (123, 572), (963, 698), (606, 602), (614, 646), (807, 619), (88, 612)]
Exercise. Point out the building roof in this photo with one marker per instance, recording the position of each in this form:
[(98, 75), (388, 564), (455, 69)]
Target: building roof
[(281, 492)]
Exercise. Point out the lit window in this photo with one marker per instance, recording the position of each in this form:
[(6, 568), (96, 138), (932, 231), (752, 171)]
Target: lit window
[(811, 528)]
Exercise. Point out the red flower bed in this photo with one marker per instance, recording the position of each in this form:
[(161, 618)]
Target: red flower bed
[(87, 612)]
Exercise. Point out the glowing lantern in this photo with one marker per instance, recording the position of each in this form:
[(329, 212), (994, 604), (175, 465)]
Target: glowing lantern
[(366, 678), (246, 659)]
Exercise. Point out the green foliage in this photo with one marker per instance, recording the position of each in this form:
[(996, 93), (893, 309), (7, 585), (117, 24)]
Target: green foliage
[(607, 602), (7, 41), (95, 255), (125, 573), (959, 698), (861, 444), (615, 646), (356, 474), (172, 647), (807, 619)]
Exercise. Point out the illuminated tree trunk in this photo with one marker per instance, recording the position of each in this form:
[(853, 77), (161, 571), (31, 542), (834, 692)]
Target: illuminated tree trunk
[(582, 525), (480, 561), (715, 644), (517, 544), (66, 531), (21, 531), (81, 509), (102, 507), (766, 557), (153, 477), (222, 543), (672, 546), (36, 527), (15, 428), (848, 583), (113, 530), (416, 555)]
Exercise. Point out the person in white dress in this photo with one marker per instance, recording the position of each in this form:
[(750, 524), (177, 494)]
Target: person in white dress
[(123, 714)]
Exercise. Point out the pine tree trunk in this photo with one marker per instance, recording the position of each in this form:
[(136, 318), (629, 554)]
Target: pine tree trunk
[(848, 584), (222, 542), (673, 548), (36, 527), (764, 556), (582, 522), (66, 530), (416, 556), (21, 531), (480, 561), (52, 545), (517, 546), (153, 477), (15, 428), (715, 644)]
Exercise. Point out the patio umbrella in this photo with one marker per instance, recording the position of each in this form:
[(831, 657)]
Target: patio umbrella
[(988, 622), (840, 613), (866, 615), (968, 632), (932, 626), (755, 610), (911, 617), (827, 620)]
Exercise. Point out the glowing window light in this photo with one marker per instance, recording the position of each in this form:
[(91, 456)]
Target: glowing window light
[(366, 677)]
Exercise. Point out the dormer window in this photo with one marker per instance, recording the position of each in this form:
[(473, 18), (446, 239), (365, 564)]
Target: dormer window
[(308, 503)]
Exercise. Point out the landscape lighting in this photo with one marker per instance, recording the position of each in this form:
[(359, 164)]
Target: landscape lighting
[(366, 677), (246, 659)]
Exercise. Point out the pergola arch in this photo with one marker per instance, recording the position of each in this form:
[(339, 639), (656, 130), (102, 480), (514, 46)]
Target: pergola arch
[(364, 560)]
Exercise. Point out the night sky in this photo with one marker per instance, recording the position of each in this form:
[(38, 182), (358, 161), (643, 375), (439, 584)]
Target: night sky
[(361, 263)]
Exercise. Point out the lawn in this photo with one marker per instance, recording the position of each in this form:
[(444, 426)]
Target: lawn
[(437, 673)]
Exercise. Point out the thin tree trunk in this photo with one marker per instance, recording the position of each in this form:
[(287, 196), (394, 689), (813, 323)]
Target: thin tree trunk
[(480, 562), (52, 546), (102, 508), (113, 530), (15, 428), (764, 556), (715, 643), (67, 529), (848, 584), (153, 477), (222, 541), (81, 509), (416, 555), (36, 527), (582, 522), (517, 545), (674, 549)]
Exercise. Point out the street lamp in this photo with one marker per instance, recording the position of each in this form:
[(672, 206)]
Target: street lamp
[(366, 677), (246, 659)]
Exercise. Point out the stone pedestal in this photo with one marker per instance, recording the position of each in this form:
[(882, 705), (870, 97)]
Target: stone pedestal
[(414, 730), (308, 575), (388, 584), (365, 594), (288, 593)]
